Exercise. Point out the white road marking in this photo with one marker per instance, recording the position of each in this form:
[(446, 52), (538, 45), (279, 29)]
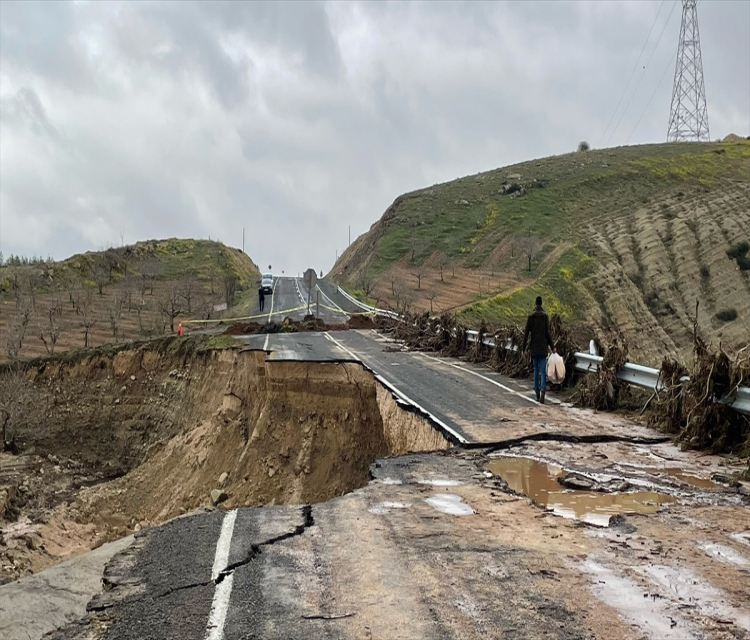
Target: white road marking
[(270, 313), (479, 375), (219, 609), (395, 390), (223, 592), (222, 546)]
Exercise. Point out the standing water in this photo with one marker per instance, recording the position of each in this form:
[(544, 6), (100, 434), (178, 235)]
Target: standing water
[(538, 481)]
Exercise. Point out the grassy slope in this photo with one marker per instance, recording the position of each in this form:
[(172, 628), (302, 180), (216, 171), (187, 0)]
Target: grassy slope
[(656, 195), (171, 263), (177, 259)]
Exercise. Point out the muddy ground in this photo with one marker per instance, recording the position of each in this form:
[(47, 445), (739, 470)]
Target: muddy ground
[(641, 539), (110, 444)]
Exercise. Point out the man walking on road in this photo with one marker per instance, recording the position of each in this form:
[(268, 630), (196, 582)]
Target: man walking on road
[(261, 299), (538, 337)]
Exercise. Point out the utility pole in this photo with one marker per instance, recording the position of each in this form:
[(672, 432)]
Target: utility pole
[(688, 115), (243, 239), (350, 236)]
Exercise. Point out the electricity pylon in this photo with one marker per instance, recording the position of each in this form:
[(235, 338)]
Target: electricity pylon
[(688, 116)]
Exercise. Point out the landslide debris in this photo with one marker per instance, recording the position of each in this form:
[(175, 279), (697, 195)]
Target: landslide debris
[(289, 325), (693, 409), (114, 440)]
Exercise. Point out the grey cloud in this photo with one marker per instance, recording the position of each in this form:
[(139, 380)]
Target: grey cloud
[(295, 120), (26, 107)]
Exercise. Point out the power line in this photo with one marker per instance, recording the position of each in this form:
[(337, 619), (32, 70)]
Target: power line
[(643, 74), (632, 73), (653, 95), (664, 75)]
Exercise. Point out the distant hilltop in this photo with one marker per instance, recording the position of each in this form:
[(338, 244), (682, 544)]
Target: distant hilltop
[(122, 293)]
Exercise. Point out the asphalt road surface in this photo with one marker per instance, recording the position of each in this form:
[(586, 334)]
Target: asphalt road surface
[(468, 400), (432, 547), (353, 567), (290, 299)]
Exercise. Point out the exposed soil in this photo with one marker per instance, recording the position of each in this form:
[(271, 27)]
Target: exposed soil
[(288, 325), (110, 444)]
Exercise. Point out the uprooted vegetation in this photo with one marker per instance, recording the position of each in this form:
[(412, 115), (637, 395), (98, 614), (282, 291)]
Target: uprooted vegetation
[(693, 409), (109, 441), (446, 335)]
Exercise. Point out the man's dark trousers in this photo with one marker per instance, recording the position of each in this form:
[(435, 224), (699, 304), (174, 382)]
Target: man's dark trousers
[(540, 374)]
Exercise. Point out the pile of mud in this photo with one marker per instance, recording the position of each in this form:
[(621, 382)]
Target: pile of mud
[(114, 442), (288, 325)]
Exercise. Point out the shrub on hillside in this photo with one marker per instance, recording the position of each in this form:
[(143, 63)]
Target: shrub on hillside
[(727, 315), (583, 146), (739, 252)]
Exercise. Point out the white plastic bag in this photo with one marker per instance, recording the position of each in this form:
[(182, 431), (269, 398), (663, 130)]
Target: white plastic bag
[(555, 368)]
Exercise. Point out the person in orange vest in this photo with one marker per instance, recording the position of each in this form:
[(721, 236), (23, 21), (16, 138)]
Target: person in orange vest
[(179, 329)]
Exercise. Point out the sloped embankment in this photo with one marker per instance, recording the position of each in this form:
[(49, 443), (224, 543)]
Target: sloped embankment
[(171, 428)]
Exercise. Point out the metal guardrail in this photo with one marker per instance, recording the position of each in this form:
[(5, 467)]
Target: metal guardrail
[(367, 307), (635, 374)]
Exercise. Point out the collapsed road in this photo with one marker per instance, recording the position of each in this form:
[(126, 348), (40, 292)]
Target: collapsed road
[(641, 540)]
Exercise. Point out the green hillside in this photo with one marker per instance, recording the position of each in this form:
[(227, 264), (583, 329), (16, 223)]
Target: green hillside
[(625, 239), (123, 293)]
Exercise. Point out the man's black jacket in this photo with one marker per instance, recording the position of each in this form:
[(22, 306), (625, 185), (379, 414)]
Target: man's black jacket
[(537, 327)]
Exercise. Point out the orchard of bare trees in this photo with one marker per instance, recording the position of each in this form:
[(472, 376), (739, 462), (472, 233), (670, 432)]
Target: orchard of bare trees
[(109, 296)]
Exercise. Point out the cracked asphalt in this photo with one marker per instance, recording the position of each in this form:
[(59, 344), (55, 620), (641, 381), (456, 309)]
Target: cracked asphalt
[(365, 565)]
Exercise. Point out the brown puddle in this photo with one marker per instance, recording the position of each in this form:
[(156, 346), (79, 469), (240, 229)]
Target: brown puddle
[(538, 481), (679, 474)]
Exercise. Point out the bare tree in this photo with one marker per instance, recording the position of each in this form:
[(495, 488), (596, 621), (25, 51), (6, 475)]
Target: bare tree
[(419, 273), (416, 245), (85, 305), (398, 286), (100, 273), (13, 404), (115, 314), (170, 303), (15, 330), (431, 295), (33, 280), (530, 246), (150, 269), (188, 290), (129, 286), (443, 264), (365, 281), (49, 329)]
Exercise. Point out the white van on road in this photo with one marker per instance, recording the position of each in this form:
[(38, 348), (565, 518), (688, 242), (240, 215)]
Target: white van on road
[(266, 282)]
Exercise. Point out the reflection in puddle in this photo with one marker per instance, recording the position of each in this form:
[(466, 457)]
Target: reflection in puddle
[(437, 482), (656, 618), (538, 481), (691, 591), (385, 507), (450, 503), (724, 553), (679, 474)]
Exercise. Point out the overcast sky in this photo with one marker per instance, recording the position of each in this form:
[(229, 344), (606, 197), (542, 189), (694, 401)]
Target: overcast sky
[(298, 120)]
